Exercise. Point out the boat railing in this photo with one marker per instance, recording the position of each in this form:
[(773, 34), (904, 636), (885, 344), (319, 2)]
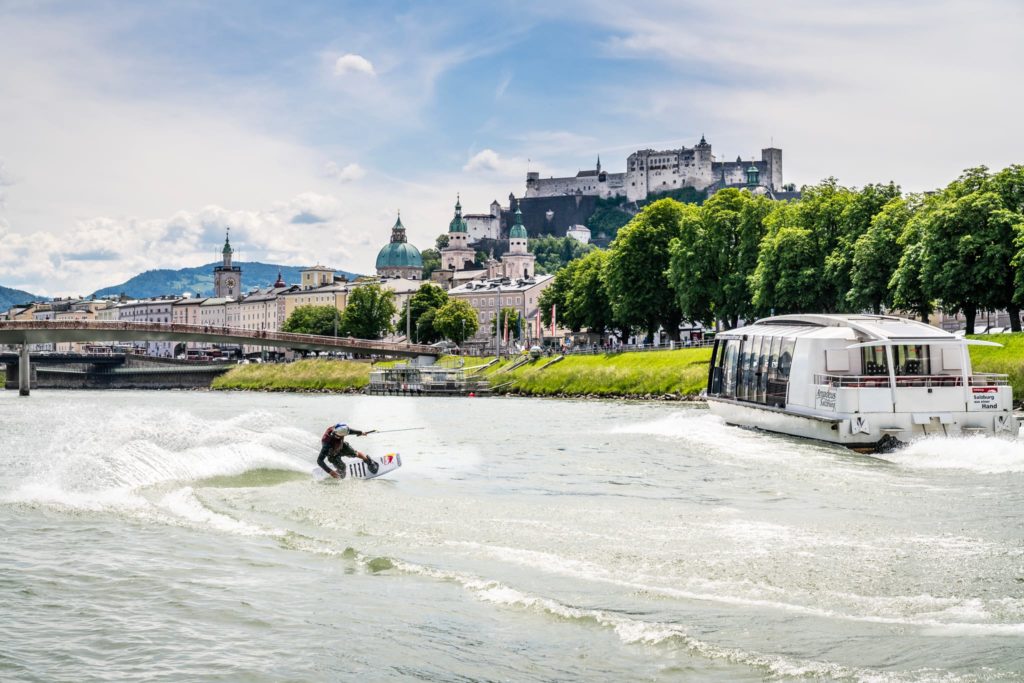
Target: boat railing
[(882, 381), (989, 379)]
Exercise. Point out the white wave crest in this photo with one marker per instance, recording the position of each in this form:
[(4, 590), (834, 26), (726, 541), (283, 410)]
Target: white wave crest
[(982, 454)]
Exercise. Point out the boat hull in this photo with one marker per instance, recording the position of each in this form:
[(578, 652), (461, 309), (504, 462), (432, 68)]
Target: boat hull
[(865, 431)]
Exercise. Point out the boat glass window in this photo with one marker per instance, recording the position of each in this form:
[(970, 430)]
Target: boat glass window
[(778, 373), (731, 356), (912, 359), (773, 363), (762, 368), (750, 367), (873, 360)]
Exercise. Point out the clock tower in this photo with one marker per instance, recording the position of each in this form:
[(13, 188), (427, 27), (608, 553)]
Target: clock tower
[(227, 279)]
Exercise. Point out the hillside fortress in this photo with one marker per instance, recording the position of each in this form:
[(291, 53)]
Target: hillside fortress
[(650, 171)]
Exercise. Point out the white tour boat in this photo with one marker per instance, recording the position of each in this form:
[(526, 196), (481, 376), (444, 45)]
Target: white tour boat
[(863, 381)]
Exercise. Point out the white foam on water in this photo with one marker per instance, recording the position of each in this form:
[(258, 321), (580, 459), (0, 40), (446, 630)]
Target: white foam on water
[(117, 464), (982, 454), (631, 630), (730, 444), (186, 507), (967, 616)]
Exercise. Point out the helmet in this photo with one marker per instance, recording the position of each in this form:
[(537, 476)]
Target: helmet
[(340, 430)]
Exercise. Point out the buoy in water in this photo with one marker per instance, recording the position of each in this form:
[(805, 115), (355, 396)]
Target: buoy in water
[(472, 395)]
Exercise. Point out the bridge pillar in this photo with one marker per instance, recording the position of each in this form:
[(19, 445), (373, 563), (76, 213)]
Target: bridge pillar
[(24, 371)]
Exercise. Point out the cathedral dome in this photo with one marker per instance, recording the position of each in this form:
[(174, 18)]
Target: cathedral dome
[(398, 253)]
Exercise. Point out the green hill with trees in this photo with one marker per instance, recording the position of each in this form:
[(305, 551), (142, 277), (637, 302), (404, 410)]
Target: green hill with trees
[(13, 297), (199, 280)]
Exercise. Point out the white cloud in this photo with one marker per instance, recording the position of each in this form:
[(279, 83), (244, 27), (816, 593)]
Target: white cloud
[(867, 92), (484, 160), (347, 173), (353, 64)]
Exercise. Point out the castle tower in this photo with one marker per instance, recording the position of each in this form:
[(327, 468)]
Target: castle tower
[(399, 258), (458, 255), (772, 156), (518, 262), (227, 279)]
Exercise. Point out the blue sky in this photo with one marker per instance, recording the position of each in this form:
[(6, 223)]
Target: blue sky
[(132, 134)]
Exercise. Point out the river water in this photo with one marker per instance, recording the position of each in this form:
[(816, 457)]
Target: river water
[(172, 536)]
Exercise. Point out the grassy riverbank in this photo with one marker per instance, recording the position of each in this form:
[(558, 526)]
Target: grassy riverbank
[(1008, 360), (679, 373), (654, 373), (303, 375)]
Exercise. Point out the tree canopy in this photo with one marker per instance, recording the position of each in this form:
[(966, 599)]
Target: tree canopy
[(312, 320), (638, 286), (456, 320), (554, 253), (369, 313)]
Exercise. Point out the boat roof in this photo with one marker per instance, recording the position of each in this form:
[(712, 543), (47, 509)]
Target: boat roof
[(860, 326)]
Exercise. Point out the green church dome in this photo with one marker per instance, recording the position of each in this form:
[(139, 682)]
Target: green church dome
[(398, 253)]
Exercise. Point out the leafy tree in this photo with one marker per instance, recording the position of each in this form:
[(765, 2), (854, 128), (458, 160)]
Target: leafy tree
[(968, 250), (638, 286), (586, 301), (876, 256), (906, 286), (554, 253), (514, 318), (787, 273), (426, 333), (605, 222), (442, 241), (715, 255), (456, 320), (859, 208), (370, 312), (555, 295), (312, 320), (431, 261), (429, 297)]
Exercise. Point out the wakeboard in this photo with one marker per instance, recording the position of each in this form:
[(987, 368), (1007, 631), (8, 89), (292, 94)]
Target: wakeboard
[(357, 469)]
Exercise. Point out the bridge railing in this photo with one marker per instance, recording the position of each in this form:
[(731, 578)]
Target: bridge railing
[(254, 337)]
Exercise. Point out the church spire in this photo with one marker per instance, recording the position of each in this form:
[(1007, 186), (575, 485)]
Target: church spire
[(228, 251)]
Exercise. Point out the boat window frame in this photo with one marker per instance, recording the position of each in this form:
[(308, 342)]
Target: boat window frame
[(730, 358), (762, 369)]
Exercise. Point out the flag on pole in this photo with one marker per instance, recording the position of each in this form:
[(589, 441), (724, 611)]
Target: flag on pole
[(506, 329), (553, 310), (536, 325)]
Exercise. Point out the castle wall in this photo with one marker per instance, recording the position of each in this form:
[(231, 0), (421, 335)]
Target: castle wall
[(651, 171), (550, 215), (604, 185), (482, 226), (735, 172)]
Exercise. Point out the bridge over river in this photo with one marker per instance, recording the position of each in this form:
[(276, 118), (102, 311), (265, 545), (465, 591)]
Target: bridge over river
[(27, 332)]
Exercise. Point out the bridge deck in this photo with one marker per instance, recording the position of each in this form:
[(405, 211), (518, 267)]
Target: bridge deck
[(45, 331)]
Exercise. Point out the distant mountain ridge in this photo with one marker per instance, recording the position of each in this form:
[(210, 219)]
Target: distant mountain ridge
[(12, 297), (199, 280)]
